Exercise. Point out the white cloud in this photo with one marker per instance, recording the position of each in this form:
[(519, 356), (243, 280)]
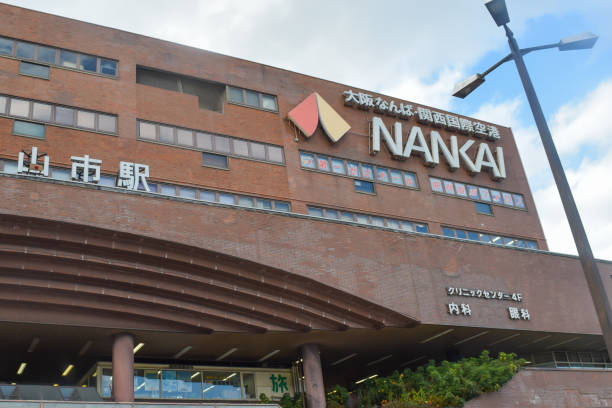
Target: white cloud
[(576, 126)]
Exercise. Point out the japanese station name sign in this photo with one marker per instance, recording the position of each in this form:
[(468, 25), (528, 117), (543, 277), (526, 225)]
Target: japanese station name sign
[(430, 149), (131, 176)]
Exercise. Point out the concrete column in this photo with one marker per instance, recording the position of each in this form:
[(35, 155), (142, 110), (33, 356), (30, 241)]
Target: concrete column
[(123, 368), (313, 376)]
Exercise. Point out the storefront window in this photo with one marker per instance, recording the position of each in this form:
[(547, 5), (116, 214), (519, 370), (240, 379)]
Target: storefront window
[(222, 385)]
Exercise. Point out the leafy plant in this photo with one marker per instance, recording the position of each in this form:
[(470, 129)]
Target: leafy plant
[(444, 385)]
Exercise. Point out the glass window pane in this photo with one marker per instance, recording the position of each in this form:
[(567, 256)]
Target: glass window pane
[(338, 166), (46, 54), (382, 174), (226, 198), (252, 98), (35, 70), (392, 223), (68, 59), (168, 189), (353, 169), (6, 46), (166, 134), (275, 154), (314, 211), (268, 102), (20, 108), (367, 171), (108, 123), (282, 206), (187, 192), (518, 201), (531, 244), (222, 144), (61, 174), (346, 216), (460, 189), (184, 137), (484, 237), (41, 111), (448, 232), (214, 160), (241, 147), (519, 243), (88, 63), (461, 234), (407, 226), (204, 141), (108, 67), (364, 186), (331, 214), (378, 221), (245, 201), (64, 116), (152, 187), (265, 204), (146, 383), (485, 195), (25, 50), (483, 208), (106, 180), (323, 163), (147, 131), (86, 119), (508, 241), (248, 382), (472, 235), (3, 100), (496, 239), (235, 95), (449, 187), (362, 219), (410, 180), (29, 129), (421, 228), (206, 195), (222, 385), (396, 177), (258, 151), (307, 160)]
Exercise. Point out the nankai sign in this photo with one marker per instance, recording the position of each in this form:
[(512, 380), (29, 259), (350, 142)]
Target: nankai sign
[(314, 110)]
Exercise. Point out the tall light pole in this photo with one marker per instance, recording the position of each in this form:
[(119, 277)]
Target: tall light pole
[(499, 12)]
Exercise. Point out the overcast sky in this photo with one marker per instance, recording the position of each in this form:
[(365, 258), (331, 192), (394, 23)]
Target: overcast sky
[(418, 50)]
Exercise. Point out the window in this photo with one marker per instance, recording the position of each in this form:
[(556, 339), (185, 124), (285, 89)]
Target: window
[(34, 70), (483, 208), (86, 119), (46, 54), (167, 189), (2, 104), (6, 46), (252, 99), (422, 228), (187, 192), (64, 116), (347, 216), (214, 160), (88, 63), (245, 201), (210, 94), (19, 107), (448, 232), (28, 129), (58, 57), (265, 204), (226, 198), (41, 111), (281, 206), (316, 212), (477, 193), (25, 50), (488, 238), (364, 186), (307, 160), (107, 123), (225, 145), (208, 195), (68, 59)]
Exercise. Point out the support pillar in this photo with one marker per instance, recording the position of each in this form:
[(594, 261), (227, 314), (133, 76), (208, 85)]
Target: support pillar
[(123, 368), (313, 376)]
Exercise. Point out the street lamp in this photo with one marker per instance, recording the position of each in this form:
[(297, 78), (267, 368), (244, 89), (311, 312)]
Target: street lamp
[(499, 12)]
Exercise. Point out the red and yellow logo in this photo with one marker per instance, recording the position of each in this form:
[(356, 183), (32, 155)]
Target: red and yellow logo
[(314, 109)]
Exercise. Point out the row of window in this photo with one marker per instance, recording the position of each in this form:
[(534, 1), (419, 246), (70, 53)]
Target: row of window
[(488, 238), (57, 56), (173, 190), (252, 99), (358, 170), (366, 219), (477, 193), (57, 115), (224, 145)]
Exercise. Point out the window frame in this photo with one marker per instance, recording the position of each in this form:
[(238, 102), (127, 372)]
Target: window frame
[(244, 98), (23, 62)]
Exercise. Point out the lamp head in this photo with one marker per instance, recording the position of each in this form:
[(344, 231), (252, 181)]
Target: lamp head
[(498, 11), (465, 87), (580, 41)]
